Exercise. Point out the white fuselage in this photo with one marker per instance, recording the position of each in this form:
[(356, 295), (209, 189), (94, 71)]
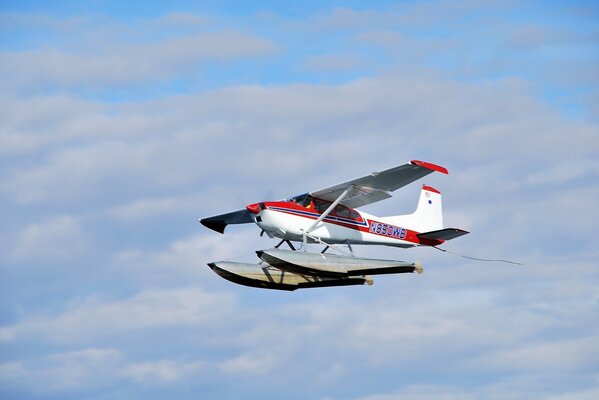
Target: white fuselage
[(368, 230)]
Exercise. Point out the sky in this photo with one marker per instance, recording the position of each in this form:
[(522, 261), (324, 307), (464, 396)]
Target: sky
[(122, 123)]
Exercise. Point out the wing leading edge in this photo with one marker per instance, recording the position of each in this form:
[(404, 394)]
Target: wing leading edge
[(378, 185)]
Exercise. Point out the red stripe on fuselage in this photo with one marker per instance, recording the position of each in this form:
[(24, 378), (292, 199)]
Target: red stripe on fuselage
[(297, 210)]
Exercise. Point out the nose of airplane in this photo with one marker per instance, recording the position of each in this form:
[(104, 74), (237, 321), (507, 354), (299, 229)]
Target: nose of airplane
[(254, 208)]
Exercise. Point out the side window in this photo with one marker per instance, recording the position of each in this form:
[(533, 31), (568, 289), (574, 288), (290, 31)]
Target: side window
[(342, 211), (345, 212), (321, 205)]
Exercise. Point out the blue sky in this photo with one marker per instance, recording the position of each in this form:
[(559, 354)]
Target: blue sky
[(121, 125)]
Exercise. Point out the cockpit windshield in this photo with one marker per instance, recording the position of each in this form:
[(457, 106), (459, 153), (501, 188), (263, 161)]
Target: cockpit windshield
[(302, 199)]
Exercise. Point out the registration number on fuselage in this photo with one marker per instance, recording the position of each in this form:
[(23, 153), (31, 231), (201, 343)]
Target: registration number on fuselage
[(387, 230)]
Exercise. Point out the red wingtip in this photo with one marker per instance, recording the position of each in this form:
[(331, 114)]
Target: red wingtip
[(430, 166)]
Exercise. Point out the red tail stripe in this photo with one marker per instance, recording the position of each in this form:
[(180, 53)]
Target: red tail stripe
[(430, 189)]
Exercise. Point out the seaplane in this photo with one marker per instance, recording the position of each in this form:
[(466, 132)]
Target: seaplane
[(330, 217)]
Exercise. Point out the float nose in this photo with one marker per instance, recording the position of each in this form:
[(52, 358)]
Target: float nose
[(254, 208)]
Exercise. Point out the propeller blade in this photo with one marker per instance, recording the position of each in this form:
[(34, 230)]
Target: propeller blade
[(219, 222)]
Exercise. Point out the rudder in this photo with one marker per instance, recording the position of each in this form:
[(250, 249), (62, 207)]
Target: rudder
[(428, 215)]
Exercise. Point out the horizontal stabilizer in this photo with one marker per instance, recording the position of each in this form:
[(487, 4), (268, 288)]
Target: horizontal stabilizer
[(318, 264), (443, 234)]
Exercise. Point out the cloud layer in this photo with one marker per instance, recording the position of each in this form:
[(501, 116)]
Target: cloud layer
[(118, 133)]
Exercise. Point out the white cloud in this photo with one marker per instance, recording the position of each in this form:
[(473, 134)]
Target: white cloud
[(559, 355), (403, 322), (177, 19), (34, 123), (92, 319), (509, 389), (464, 305), (185, 260), (140, 209), (333, 63), (13, 22), (11, 371), (72, 172), (77, 368), (91, 367), (61, 371), (520, 176), (532, 37), (580, 394), (127, 64), (164, 371), (55, 239), (167, 144), (255, 363), (422, 392)]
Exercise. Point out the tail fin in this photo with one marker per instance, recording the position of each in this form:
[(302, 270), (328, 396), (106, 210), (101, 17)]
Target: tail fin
[(428, 215)]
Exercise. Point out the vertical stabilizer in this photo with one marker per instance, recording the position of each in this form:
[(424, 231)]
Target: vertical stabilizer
[(428, 215)]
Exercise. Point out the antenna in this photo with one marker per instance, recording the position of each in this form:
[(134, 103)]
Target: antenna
[(477, 259)]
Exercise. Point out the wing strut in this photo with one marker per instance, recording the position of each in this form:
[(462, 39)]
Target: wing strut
[(326, 212), (331, 208)]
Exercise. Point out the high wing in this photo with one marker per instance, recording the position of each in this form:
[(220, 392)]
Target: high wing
[(378, 185), (355, 193)]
